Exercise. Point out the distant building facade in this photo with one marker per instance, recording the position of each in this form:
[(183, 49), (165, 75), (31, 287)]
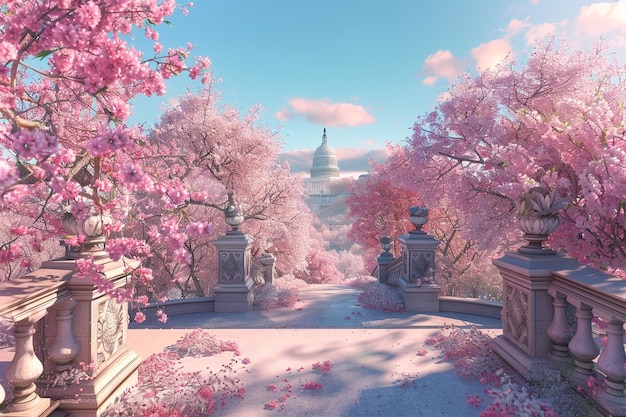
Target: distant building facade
[(324, 171)]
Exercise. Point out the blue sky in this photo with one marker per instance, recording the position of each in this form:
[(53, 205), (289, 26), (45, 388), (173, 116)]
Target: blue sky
[(364, 69)]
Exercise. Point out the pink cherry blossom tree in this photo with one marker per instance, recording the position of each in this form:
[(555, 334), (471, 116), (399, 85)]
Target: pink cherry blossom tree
[(379, 205), (67, 75), (218, 158), (557, 121)]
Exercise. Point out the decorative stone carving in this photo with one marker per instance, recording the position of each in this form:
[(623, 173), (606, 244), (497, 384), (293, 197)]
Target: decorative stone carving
[(110, 331), (232, 267), (516, 320), (422, 264)]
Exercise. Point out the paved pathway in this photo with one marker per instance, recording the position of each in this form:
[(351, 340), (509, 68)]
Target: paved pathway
[(380, 364)]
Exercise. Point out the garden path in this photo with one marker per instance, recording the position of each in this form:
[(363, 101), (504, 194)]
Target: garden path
[(380, 363)]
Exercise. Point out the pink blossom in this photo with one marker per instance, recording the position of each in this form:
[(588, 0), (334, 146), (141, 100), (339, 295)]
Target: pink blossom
[(178, 194), (324, 367), (161, 316), (199, 229), (34, 144), (473, 400), (109, 142), (103, 185), (88, 15), (19, 230), (80, 209), (119, 247), (312, 385), (139, 317), (144, 275), (8, 175)]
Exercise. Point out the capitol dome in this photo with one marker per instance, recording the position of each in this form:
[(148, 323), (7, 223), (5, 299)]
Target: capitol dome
[(325, 161)]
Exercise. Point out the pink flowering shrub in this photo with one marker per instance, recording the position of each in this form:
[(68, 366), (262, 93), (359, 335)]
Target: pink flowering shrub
[(281, 294), (165, 389), (321, 268), (381, 297), (361, 282), (201, 343)]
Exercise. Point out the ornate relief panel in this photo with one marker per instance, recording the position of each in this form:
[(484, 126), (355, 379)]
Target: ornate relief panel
[(111, 330), (232, 267), (516, 314), (421, 265)]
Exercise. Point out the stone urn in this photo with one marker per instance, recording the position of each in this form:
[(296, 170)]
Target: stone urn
[(233, 217), (537, 217), (418, 217), (92, 227)]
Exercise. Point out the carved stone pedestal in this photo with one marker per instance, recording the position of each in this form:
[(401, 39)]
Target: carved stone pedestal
[(233, 291), (527, 309), (100, 327)]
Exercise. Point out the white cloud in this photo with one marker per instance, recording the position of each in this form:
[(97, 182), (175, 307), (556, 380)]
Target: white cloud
[(490, 54), (441, 64), (431, 80), (515, 26), (601, 18), (539, 32), (325, 112)]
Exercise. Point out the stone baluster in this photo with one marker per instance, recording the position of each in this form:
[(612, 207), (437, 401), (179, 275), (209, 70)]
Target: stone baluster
[(65, 347), (268, 260), (611, 364), (582, 346), (559, 331), (25, 369)]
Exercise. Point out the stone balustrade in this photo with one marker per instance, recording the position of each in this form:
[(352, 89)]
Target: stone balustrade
[(26, 301), (61, 322), (539, 291), (593, 294)]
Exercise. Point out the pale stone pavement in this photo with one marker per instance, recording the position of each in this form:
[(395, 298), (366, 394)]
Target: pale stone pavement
[(380, 364)]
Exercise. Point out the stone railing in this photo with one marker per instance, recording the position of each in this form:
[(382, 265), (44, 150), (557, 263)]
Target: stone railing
[(394, 272), (592, 293), (540, 288), (63, 325), (538, 292), (26, 302), (262, 272)]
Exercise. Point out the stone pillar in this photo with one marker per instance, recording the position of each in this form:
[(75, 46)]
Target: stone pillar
[(233, 290), (384, 259), (527, 308), (100, 327), (268, 261), (420, 293)]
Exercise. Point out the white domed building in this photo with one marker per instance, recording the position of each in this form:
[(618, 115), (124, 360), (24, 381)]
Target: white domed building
[(324, 171)]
